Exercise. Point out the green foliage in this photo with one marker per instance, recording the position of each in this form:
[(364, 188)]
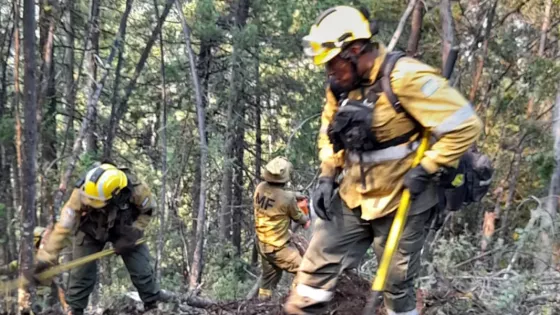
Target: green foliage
[(7, 131), (226, 276)]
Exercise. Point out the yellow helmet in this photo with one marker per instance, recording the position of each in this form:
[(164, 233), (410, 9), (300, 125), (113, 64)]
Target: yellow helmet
[(333, 30), (101, 184)]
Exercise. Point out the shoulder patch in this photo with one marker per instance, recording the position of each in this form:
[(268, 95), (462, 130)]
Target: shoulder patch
[(430, 87)]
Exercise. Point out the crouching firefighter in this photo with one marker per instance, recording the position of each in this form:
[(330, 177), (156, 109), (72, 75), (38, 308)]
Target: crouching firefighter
[(108, 205), (275, 207), (377, 106)]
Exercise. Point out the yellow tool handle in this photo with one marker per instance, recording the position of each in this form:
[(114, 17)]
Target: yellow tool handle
[(53, 271), (394, 234)]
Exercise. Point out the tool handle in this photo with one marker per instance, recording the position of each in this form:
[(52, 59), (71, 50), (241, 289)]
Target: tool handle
[(395, 233), (373, 303), (53, 271), (450, 62)]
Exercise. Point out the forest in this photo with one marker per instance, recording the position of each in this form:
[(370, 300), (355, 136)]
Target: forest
[(196, 96)]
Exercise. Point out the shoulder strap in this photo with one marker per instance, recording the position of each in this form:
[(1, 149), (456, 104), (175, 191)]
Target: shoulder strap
[(386, 69)]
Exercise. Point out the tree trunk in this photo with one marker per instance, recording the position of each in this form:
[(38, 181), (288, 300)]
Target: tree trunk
[(197, 262), (238, 186), (87, 120), (163, 142), (195, 200), (46, 99), (544, 256), (123, 103), (542, 44), (416, 29), (29, 148), (482, 56), (116, 85), (448, 33), (92, 55), (241, 14), (68, 40), (258, 149), (401, 25), (512, 186), (5, 156), (17, 93)]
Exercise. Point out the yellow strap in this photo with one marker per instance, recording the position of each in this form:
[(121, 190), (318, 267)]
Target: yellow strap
[(398, 224)]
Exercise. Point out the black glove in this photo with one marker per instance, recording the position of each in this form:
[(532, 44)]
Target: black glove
[(322, 198), (127, 241), (416, 180), (32, 275)]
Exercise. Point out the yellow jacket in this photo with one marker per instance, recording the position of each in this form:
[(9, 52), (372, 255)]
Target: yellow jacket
[(73, 210), (427, 97), (274, 207)]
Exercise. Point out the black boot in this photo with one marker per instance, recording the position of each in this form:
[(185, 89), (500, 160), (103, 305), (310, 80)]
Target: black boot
[(76, 311)]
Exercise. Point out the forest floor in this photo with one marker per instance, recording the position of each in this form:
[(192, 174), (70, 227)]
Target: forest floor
[(349, 299)]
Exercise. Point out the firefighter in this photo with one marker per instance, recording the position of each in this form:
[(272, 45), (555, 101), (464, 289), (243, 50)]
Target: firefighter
[(109, 204), (274, 208), (367, 143)]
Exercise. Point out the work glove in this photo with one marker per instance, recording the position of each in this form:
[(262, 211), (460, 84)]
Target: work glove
[(322, 198), (32, 275), (127, 241), (416, 180)]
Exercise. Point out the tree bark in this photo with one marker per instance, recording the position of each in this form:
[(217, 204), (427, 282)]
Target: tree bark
[(416, 29), (123, 103), (448, 34), (17, 93), (258, 148), (116, 85), (531, 110), (195, 200), (241, 14), (68, 40), (512, 186), (5, 156), (87, 120), (401, 25), (163, 142), (482, 56), (238, 185), (29, 149), (197, 263), (92, 56), (544, 256), (46, 99)]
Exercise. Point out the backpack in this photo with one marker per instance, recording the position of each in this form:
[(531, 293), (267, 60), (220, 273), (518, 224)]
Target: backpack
[(466, 184)]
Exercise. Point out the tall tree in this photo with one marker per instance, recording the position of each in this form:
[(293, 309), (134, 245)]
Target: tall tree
[(531, 110), (68, 73), (235, 104), (92, 57), (123, 102), (448, 30), (29, 146), (415, 29), (90, 111), (197, 262), (163, 144)]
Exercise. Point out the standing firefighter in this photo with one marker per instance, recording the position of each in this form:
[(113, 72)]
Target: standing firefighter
[(108, 205), (377, 107), (275, 207)]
